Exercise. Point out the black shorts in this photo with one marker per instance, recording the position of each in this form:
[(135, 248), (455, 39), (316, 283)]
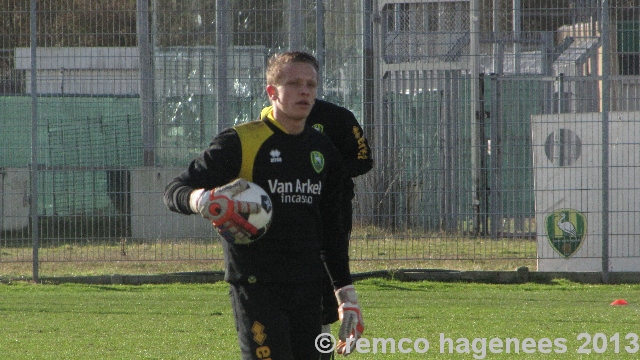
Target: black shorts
[(277, 321)]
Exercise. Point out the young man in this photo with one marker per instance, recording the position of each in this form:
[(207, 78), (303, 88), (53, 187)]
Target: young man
[(341, 126), (275, 282)]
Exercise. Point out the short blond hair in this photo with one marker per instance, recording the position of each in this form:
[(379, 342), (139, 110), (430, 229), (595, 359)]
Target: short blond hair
[(278, 61)]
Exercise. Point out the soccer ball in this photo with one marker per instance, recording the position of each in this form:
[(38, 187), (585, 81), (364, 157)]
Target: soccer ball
[(261, 220)]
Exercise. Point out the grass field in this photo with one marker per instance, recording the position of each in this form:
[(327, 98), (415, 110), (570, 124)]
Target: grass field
[(195, 321)]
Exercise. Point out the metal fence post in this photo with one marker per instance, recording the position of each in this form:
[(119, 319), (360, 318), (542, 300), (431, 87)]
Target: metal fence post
[(146, 83), (474, 36), (34, 140), (222, 53), (495, 167), (296, 25), (606, 100), (320, 49)]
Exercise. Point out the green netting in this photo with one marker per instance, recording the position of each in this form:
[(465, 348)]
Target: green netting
[(72, 131), (82, 143), (515, 166), (430, 162), (426, 138)]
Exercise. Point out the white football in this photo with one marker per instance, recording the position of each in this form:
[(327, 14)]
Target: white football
[(261, 220)]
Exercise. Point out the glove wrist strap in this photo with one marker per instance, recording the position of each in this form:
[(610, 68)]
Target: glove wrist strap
[(193, 200), (347, 294)]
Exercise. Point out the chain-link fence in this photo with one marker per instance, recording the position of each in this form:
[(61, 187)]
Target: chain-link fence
[(503, 132)]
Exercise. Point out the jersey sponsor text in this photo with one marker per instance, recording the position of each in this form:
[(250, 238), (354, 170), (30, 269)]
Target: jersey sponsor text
[(298, 192)]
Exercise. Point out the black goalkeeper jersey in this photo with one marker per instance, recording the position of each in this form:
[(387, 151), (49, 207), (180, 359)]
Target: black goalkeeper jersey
[(304, 176), (346, 134), (341, 126)]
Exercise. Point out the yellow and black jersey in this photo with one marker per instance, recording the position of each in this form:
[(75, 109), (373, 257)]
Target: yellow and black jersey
[(341, 126), (304, 176), (346, 134)]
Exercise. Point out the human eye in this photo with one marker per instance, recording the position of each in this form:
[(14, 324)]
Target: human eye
[(296, 83)]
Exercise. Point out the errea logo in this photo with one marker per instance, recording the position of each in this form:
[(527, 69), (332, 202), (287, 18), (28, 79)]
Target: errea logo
[(275, 156)]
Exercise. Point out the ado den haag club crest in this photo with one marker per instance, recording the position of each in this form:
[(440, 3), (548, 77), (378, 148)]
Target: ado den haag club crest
[(318, 127), (317, 160), (566, 230)]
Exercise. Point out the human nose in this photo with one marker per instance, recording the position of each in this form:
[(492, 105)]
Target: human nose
[(308, 89)]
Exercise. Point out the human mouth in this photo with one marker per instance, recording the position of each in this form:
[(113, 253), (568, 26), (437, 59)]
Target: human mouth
[(304, 104)]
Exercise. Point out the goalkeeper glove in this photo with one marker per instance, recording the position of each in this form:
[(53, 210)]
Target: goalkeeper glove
[(218, 206), (352, 326)]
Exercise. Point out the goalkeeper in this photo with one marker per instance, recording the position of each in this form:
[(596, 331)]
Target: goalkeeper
[(341, 126), (276, 281)]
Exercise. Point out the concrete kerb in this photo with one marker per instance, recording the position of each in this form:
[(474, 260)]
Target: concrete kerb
[(519, 276), (203, 277)]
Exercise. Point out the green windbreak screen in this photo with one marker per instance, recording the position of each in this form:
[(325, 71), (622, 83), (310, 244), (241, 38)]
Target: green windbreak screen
[(85, 142)]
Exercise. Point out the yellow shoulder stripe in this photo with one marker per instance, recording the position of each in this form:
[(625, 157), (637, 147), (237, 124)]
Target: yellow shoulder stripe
[(252, 135), (267, 112)]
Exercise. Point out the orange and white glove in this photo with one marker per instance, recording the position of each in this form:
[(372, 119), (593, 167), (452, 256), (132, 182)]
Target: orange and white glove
[(351, 324), (218, 206)]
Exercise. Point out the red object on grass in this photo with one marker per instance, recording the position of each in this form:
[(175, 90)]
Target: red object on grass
[(620, 302)]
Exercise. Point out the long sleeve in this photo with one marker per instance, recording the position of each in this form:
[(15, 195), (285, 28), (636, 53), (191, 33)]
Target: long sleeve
[(335, 250), (215, 166), (342, 127)]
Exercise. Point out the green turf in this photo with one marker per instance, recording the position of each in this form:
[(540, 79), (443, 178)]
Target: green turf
[(195, 321)]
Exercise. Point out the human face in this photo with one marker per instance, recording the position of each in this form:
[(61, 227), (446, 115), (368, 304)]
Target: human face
[(294, 95)]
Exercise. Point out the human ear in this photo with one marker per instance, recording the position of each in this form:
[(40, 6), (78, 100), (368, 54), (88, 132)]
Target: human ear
[(272, 92)]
